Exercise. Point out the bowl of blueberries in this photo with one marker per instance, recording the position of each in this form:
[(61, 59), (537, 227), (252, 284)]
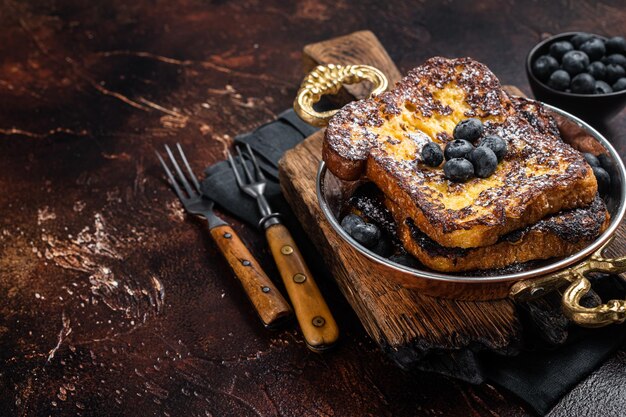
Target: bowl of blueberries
[(582, 73)]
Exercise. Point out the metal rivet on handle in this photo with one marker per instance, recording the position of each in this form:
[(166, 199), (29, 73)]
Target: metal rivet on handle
[(246, 263), (265, 289), (286, 250), (299, 278), (227, 235), (318, 321)]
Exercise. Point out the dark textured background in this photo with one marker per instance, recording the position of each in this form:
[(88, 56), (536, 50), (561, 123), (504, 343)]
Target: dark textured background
[(113, 302)]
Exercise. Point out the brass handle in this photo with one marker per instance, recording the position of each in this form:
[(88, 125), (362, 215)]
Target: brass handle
[(613, 312), (328, 79)]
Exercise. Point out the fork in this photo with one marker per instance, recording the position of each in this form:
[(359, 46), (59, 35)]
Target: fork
[(268, 302), (314, 317)]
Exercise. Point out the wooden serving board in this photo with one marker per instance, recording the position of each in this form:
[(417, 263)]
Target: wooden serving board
[(406, 324)]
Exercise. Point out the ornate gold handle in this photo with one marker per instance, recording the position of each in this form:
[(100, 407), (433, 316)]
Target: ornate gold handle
[(328, 79), (612, 312)]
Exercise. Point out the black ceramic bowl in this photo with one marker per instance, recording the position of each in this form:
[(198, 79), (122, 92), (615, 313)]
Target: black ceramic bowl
[(596, 109)]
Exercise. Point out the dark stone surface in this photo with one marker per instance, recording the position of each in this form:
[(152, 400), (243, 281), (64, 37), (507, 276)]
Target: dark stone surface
[(113, 301)]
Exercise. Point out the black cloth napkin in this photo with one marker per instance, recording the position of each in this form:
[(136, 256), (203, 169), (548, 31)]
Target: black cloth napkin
[(269, 141), (540, 376)]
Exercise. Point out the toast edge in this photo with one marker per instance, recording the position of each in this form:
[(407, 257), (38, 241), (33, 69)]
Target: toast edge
[(534, 245)]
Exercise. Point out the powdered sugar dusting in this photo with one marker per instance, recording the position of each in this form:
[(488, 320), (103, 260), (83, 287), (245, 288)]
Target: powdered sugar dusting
[(537, 163), (420, 139)]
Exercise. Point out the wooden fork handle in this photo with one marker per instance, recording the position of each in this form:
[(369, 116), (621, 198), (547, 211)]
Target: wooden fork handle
[(316, 321), (269, 303)]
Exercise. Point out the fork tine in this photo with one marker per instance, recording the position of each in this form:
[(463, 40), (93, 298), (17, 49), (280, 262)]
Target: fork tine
[(259, 173), (181, 176), (233, 166), (194, 179), (170, 176), (245, 166)]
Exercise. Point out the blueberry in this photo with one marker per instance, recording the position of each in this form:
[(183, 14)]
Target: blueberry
[(580, 38), (591, 159), (594, 48), (583, 84), (458, 148), (432, 155), (468, 129), (458, 169), (605, 162), (496, 144), (367, 234), (559, 80), (544, 66), (405, 259), (485, 161), (616, 45), (384, 247), (603, 178), (574, 62), (597, 69), (620, 85), (614, 73), (349, 222), (617, 59), (602, 88), (558, 49)]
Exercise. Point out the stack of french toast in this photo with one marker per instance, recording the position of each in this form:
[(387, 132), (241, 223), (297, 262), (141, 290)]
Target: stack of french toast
[(540, 201)]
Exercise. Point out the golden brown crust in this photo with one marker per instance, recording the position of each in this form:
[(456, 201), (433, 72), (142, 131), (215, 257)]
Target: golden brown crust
[(559, 235), (538, 206), (345, 169), (540, 175)]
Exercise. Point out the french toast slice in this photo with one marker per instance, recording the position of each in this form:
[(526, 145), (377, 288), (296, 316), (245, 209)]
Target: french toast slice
[(382, 137), (558, 235)]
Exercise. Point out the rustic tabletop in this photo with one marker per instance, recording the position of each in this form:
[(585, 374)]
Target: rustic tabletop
[(116, 303)]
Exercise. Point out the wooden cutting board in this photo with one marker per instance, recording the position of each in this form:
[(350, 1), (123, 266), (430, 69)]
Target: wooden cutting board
[(406, 324)]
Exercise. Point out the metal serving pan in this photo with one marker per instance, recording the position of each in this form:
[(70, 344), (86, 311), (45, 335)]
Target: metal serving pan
[(519, 285)]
